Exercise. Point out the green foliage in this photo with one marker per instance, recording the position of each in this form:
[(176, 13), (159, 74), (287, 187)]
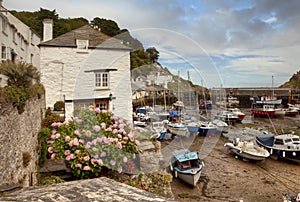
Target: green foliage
[(59, 105), (153, 54), (17, 96), (43, 134), (108, 27), (36, 89), (19, 73), (50, 180)]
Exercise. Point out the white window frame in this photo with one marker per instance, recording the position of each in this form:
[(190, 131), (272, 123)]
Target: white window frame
[(82, 44), (102, 80)]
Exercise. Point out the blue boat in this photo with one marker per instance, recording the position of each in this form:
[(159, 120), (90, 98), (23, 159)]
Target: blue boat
[(186, 165)]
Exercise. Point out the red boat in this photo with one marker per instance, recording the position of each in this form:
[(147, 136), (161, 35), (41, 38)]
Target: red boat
[(264, 111)]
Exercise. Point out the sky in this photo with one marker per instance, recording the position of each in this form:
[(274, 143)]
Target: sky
[(219, 42)]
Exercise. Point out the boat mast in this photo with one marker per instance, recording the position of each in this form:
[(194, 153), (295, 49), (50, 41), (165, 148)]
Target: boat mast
[(272, 86)]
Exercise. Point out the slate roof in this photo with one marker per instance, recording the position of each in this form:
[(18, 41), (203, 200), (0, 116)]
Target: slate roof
[(96, 39)]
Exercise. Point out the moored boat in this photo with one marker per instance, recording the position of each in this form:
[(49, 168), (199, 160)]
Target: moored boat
[(285, 146), (236, 111), (186, 165), (178, 129), (264, 111), (247, 150)]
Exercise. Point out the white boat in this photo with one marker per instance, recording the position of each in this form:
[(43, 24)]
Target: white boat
[(227, 117), (237, 112), (279, 112), (247, 150), (222, 126), (206, 127), (187, 166), (178, 129)]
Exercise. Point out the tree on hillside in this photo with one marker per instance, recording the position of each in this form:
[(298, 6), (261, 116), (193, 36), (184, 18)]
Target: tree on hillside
[(108, 27), (153, 54)]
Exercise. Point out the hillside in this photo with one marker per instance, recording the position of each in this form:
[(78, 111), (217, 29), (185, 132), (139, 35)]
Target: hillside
[(294, 82)]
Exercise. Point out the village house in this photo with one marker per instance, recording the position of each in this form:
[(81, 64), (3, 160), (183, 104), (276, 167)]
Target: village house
[(85, 67), (18, 41)]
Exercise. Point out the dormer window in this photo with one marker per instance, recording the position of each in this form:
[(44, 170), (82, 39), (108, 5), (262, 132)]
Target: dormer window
[(82, 44)]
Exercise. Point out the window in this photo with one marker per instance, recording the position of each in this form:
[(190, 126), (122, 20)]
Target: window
[(3, 52), (101, 106), (82, 44), (102, 80), (4, 26)]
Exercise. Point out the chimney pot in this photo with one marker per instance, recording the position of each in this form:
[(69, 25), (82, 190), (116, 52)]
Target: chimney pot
[(47, 29)]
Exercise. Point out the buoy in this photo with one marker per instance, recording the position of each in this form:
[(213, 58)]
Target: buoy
[(236, 157), (283, 154)]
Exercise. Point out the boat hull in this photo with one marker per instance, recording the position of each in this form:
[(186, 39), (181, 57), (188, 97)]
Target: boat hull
[(178, 130), (261, 113), (189, 178), (246, 155)]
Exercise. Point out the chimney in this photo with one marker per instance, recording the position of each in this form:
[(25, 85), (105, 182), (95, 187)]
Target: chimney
[(48, 29)]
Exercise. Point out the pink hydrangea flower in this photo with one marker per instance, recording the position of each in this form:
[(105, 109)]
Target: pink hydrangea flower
[(50, 150), (67, 152), (75, 142), (97, 110), (109, 129), (67, 138), (72, 156), (53, 131), (103, 125), (77, 151), (119, 145), (100, 162), (53, 137), (86, 168), (112, 162), (78, 165), (52, 156), (68, 158), (76, 132), (120, 170), (57, 135), (125, 159), (119, 136), (96, 128), (137, 142), (103, 154), (86, 158), (115, 131), (88, 133)]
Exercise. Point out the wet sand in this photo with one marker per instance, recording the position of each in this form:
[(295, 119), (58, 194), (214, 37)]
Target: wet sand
[(227, 178)]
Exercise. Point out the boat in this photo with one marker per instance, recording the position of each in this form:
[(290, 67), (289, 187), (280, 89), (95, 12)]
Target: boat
[(265, 111), (268, 100), (247, 150), (207, 128), (233, 101), (236, 111), (285, 146), (186, 165), (279, 112), (291, 112), (178, 129), (227, 117), (222, 126)]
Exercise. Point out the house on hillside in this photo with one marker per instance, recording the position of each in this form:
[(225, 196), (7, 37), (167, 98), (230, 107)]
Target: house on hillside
[(18, 41), (85, 67)]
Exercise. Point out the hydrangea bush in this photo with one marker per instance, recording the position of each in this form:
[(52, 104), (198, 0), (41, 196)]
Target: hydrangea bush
[(94, 139)]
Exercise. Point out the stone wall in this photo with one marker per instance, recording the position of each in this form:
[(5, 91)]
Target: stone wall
[(19, 144), (98, 189)]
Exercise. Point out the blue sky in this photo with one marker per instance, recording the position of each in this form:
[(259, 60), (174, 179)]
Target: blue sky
[(228, 42)]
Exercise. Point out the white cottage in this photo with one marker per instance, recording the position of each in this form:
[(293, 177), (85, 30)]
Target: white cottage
[(85, 67), (17, 41)]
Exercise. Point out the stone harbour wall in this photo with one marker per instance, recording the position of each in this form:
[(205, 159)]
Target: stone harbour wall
[(19, 145)]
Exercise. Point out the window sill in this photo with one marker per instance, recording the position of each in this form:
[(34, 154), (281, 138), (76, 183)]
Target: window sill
[(101, 88)]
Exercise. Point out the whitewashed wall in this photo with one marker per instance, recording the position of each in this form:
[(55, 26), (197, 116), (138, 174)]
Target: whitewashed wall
[(65, 71)]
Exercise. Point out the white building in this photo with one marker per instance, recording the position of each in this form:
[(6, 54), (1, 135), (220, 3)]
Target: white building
[(85, 67), (18, 42)]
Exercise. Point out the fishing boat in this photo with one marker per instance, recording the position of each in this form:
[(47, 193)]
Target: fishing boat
[(186, 165), (285, 146), (291, 112), (247, 150), (227, 117), (265, 111)]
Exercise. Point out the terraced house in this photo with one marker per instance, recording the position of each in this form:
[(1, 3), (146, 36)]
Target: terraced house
[(85, 67), (18, 41)]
